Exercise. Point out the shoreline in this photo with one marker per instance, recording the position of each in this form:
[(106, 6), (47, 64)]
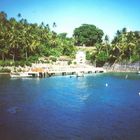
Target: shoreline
[(107, 71), (122, 71), (4, 73), (55, 69)]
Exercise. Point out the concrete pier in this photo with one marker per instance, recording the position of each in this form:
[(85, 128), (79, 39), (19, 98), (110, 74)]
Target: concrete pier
[(67, 70), (47, 70)]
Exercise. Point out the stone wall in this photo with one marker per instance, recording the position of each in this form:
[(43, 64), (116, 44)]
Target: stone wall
[(133, 67)]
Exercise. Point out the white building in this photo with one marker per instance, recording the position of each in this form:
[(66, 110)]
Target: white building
[(80, 57)]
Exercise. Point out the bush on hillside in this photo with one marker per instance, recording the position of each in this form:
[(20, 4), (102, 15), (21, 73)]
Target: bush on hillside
[(5, 70)]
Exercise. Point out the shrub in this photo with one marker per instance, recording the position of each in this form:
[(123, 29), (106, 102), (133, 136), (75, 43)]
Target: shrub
[(4, 70), (88, 55), (135, 58), (28, 63), (33, 59), (69, 62), (53, 59), (6, 63)]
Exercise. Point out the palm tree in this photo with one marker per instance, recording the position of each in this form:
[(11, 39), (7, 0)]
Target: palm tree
[(42, 26), (124, 30), (3, 41), (107, 45), (14, 38), (47, 27), (118, 33), (54, 25), (106, 39), (138, 46), (3, 17), (19, 15)]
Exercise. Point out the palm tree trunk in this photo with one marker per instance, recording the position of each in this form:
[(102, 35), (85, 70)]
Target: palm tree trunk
[(13, 57), (26, 55), (3, 57), (130, 56)]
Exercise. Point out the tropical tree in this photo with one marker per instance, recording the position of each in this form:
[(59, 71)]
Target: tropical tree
[(54, 25), (13, 40), (87, 35), (20, 40), (19, 15)]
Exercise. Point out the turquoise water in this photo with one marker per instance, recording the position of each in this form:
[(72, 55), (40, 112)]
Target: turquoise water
[(94, 107)]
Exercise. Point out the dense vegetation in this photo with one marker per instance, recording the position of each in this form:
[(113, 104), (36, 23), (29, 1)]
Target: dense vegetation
[(25, 42), (22, 41), (87, 35), (124, 48)]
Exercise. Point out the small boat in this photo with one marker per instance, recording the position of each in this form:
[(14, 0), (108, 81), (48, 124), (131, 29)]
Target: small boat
[(80, 74), (20, 74), (14, 75), (25, 74)]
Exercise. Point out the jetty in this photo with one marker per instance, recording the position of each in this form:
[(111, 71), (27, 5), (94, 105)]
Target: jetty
[(51, 70), (47, 70)]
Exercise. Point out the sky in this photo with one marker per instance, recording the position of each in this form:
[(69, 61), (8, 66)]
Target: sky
[(108, 15)]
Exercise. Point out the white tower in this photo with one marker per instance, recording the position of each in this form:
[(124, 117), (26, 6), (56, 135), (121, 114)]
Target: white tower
[(80, 57)]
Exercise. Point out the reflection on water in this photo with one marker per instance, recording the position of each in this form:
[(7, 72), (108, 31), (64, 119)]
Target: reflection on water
[(81, 108)]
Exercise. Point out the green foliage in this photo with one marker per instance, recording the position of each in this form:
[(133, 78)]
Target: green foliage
[(127, 44), (69, 62), (17, 63), (63, 35), (6, 63), (5, 70), (22, 43), (88, 55), (21, 63), (101, 58), (125, 47), (88, 35), (20, 40), (28, 63), (32, 59), (53, 59), (135, 58)]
